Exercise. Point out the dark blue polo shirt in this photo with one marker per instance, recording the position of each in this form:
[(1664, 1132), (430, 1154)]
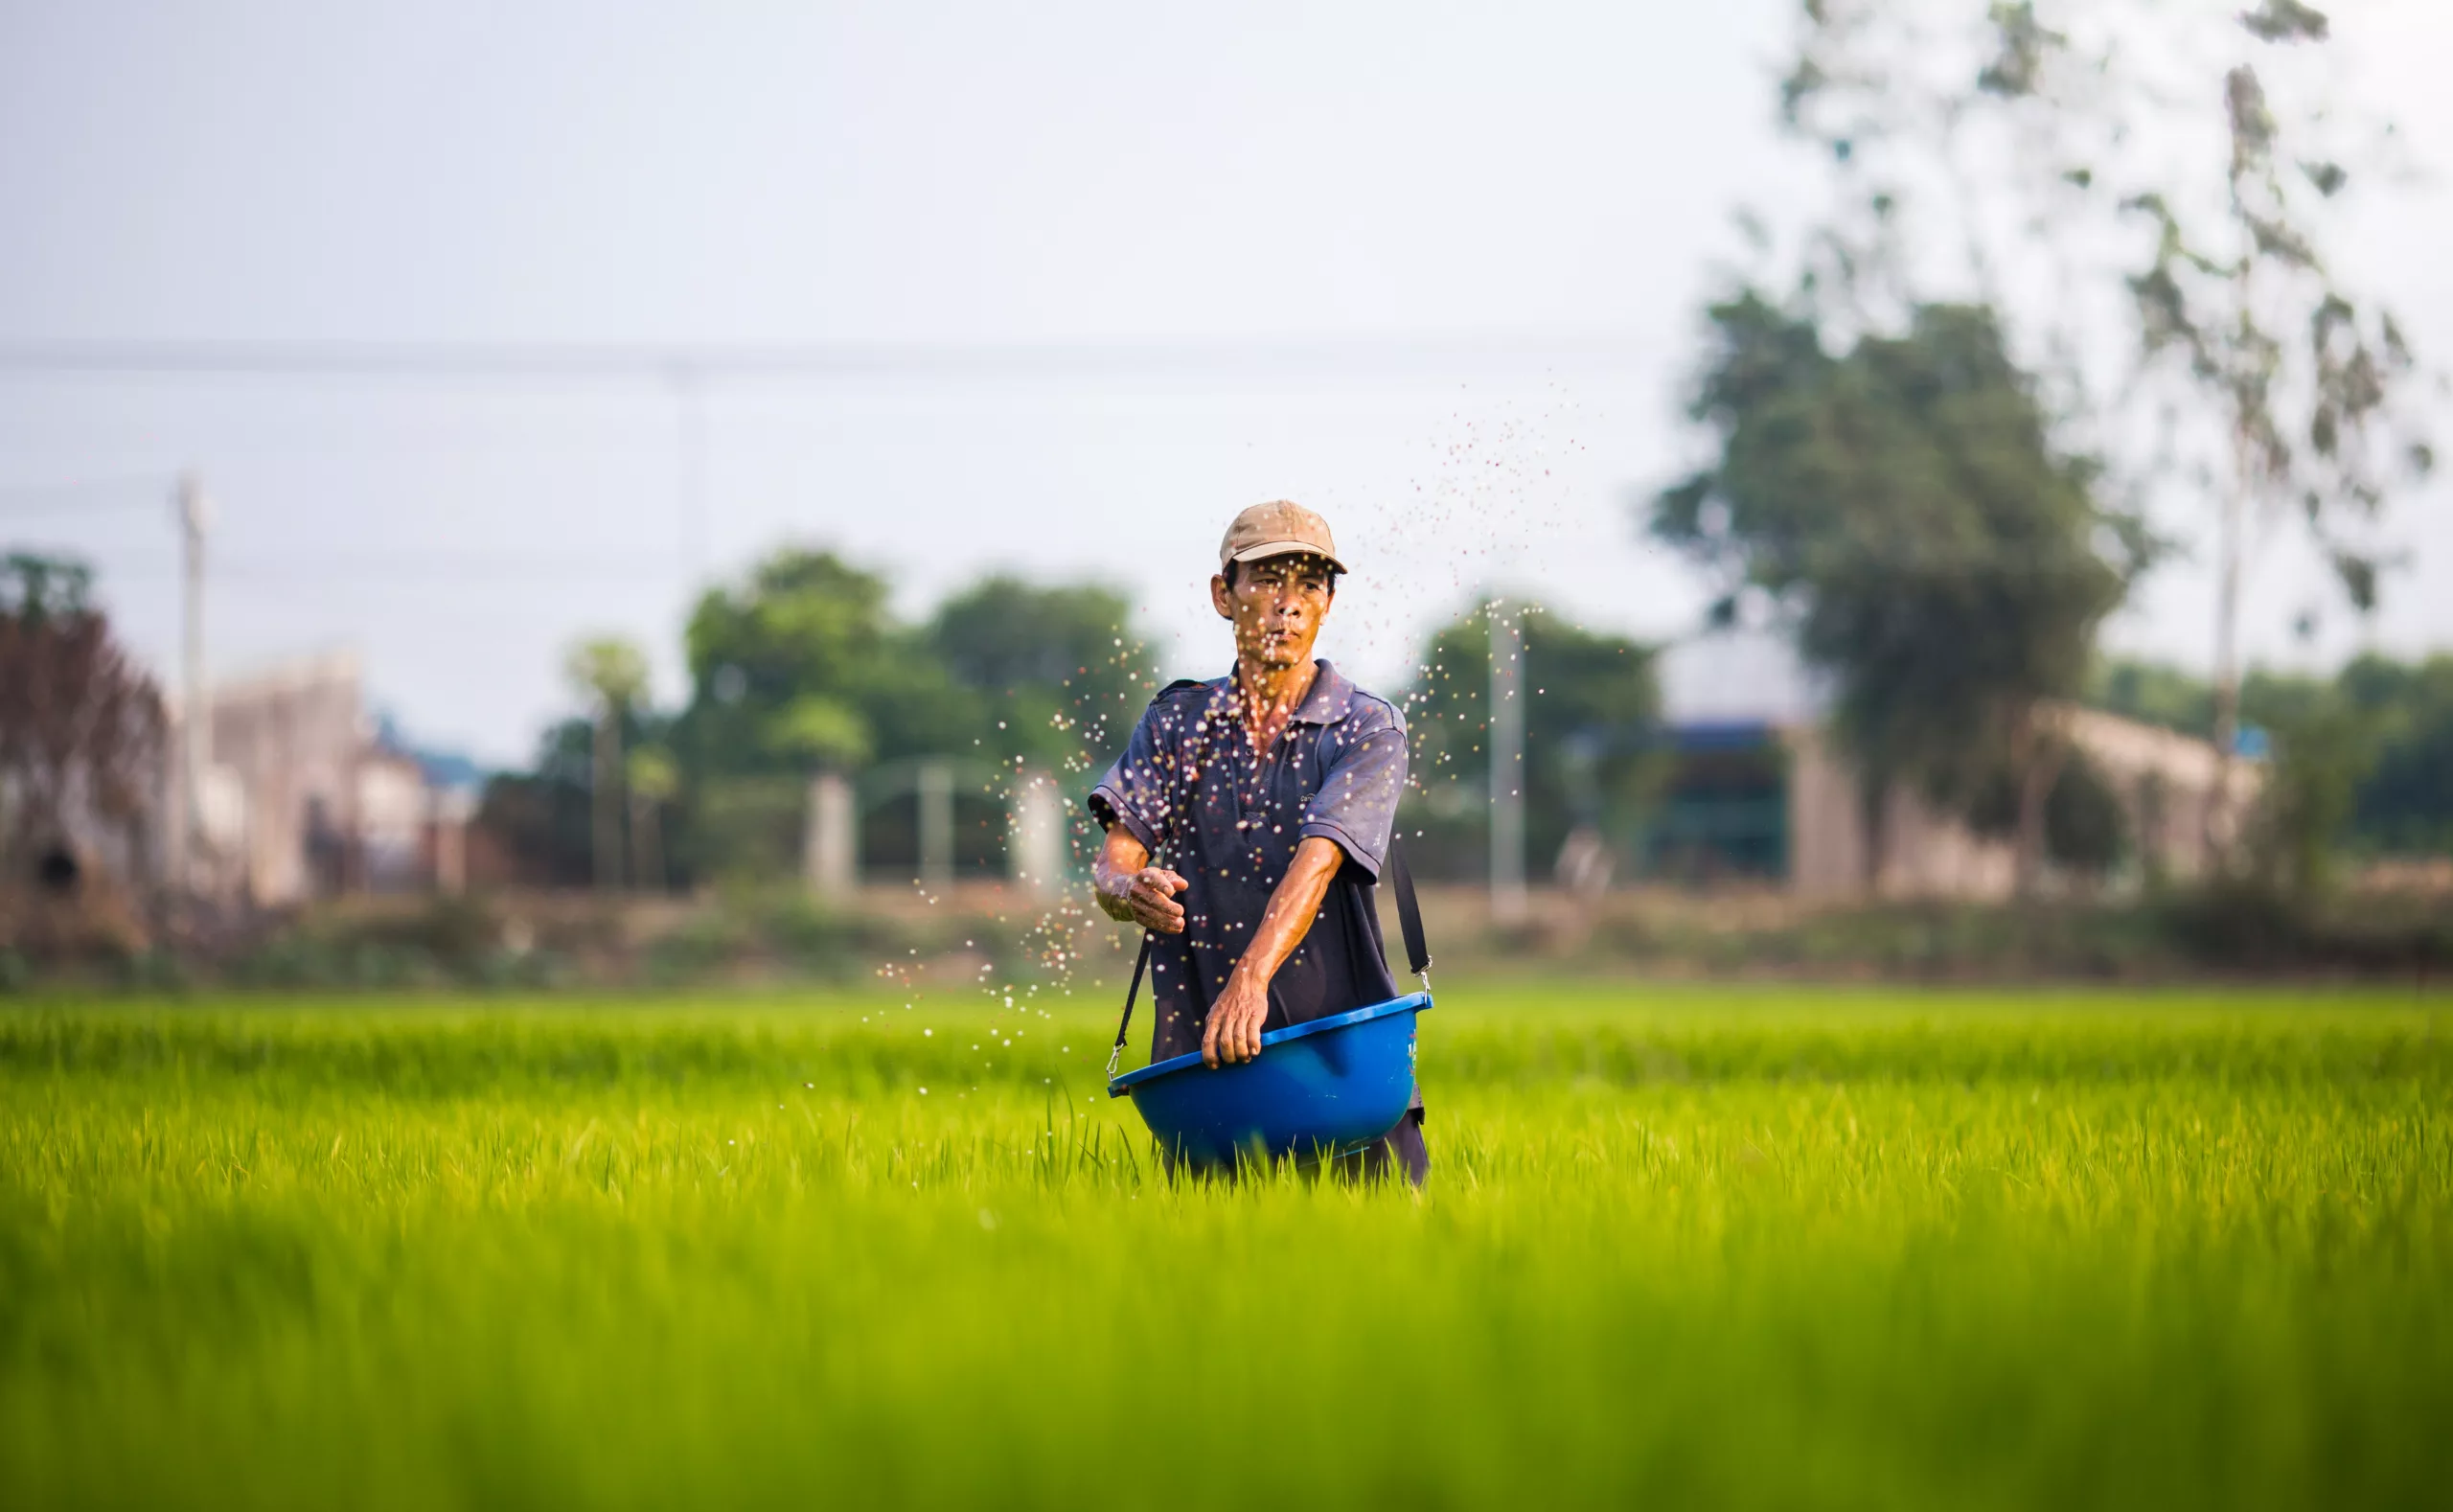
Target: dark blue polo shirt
[(1227, 820)]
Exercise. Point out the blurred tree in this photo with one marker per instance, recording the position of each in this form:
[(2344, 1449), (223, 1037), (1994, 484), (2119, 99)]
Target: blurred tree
[(611, 675), (2085, 826), (542, 820), (808, 668), (1903, 509), (81, 729), (781, 667), (2324, 749), (1592, 754), (2405, 806), (2036, 138), (790, 671), (2086, 833), (804, 667), (1059, 680)]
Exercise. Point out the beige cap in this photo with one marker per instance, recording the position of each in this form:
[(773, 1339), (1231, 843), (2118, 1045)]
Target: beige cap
[(1279, 529)]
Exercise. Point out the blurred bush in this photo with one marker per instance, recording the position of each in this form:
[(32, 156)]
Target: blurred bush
[(2086, 828), (749, 937)]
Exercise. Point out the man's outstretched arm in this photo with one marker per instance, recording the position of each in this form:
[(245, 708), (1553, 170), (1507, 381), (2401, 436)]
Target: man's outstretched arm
[(1233, 1033)]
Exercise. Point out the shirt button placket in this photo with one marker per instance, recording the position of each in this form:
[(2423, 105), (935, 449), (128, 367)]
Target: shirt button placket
[(1264, 788)]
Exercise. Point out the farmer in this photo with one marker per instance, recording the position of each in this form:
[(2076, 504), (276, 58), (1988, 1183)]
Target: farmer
[(1247, 819)]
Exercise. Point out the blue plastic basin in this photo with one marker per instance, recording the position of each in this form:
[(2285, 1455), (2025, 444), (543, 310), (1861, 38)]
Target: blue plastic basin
[(1318, 1089)]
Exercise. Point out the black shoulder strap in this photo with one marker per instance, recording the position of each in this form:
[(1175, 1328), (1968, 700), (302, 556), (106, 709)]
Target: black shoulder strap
[(1408, 923), (1409, 912), (1124, 1027)]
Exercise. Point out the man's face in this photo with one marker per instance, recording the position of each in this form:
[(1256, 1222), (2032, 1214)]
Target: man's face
[(1276, 606)]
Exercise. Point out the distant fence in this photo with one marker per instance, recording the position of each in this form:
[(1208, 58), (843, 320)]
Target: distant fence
[(927, 819)]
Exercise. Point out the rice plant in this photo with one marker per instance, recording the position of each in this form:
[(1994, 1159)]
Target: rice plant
[(1845, 1248)]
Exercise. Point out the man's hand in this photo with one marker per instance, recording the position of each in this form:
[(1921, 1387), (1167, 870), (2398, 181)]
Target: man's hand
[(1146, 898), (1130, 890), (1234, 1034)]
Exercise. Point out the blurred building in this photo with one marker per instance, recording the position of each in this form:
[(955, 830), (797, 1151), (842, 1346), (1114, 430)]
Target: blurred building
[(1759, 792), (308, 796)]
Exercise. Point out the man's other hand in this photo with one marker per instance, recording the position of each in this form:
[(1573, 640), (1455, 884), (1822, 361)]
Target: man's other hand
[(1233, 1033)]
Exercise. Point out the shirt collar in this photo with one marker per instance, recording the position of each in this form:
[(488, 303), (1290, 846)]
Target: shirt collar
[(1330, 698)]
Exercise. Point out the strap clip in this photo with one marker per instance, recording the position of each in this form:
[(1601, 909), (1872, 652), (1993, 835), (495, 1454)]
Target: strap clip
[(1124, 1027)]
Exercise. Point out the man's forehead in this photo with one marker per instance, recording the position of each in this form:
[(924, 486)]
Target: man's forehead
[(1293, 564)]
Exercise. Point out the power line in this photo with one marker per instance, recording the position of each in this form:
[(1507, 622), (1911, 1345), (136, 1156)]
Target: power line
[(522, 573), (19, 500), (687, 364), (312, 569)]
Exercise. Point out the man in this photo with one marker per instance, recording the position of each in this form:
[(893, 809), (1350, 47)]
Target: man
[(1270, 795)]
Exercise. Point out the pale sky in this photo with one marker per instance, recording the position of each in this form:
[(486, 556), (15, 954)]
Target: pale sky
[(1433, 270)]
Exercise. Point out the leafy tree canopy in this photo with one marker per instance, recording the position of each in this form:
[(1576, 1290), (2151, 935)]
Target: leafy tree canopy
[(1902, 508), (35, 587), (81, 727), (607, 670), (2380, 728), (1053, 671), (805, 665), (786, 669), (2148, 194)]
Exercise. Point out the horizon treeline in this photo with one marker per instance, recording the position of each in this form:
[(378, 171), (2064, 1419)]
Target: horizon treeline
[(802, 666)]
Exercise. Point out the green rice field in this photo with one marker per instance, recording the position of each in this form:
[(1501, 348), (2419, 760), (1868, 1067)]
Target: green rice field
[(1770, 1247)]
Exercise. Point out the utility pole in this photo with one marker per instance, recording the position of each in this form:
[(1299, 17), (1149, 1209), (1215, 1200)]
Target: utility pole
[(605, 798), (2215, 837), (187, 846), (937, 823), (1508, 904)]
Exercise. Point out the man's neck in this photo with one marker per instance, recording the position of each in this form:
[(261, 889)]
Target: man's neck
[(1268, 695)]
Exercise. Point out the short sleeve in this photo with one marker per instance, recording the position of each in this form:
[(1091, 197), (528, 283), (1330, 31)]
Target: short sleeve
[(1137, 791), (1357, 802)]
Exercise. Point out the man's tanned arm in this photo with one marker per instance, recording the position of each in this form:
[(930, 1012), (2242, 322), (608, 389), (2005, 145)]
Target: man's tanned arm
[(1234, 1034)]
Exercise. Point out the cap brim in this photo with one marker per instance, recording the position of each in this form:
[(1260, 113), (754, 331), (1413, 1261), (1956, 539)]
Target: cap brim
[(1286, 548)]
